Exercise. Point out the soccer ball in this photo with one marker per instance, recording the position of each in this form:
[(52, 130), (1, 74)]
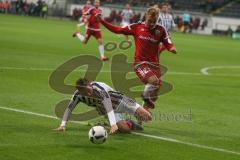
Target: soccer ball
[(97, 135)]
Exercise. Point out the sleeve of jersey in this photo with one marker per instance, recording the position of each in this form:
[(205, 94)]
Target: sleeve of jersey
[(71, 105), (173, 23), (108, 106), (116, 29), (167, 41)]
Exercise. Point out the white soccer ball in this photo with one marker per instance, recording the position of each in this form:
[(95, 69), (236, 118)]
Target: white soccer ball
[(98, 135)]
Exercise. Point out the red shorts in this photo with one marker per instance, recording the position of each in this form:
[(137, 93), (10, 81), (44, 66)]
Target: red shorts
[(96, 34), (146, 70)]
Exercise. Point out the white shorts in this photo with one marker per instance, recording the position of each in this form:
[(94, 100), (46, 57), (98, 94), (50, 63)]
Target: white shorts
[(125, 24), (127, 105), (118, 117)]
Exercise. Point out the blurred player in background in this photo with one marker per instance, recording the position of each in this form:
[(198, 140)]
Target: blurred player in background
[(166, 20), (127, 15), (147, 36), (84, 18), (108, 102), (93, 29)]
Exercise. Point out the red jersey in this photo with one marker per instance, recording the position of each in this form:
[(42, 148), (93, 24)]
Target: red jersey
[(85, 8), (146, 41), (93, 23)]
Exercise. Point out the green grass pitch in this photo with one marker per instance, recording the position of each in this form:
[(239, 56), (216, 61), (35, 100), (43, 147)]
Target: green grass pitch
[(30, 45)]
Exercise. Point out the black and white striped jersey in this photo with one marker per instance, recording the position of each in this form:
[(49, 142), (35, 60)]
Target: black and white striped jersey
[(106, 101), (166, 20), (104, 98)]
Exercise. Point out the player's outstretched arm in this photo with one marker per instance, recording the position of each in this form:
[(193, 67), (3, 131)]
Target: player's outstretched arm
[(114, 29), (168, 43), (72, 104), (110, 112)]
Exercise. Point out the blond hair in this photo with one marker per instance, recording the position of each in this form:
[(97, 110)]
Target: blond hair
[(152, 12)]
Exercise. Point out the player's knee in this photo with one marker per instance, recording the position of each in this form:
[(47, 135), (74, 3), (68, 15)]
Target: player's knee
[(148, 115), (123, 127), (143, 114), (154, 81), (100, 41)]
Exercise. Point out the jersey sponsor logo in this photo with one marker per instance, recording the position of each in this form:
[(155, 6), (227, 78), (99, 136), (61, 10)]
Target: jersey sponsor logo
[(148, 38)]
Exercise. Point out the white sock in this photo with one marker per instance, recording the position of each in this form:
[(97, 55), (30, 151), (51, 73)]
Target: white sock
[(63, 124), (81, 37), (80, 24), (101, 50)]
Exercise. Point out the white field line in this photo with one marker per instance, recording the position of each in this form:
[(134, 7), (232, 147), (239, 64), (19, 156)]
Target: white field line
[(35, 114), (139, 134), (203, 71), (206, 69)]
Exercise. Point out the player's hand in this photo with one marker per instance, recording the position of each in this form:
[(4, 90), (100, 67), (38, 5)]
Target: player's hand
[(60, 129), (98, 16), (113, 129)]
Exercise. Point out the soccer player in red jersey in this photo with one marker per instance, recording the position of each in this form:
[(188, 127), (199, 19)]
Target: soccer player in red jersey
[(93, 29), (147, 36), (85, 8)]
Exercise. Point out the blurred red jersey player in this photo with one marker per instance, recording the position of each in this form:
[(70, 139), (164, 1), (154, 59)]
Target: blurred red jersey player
[(85, 8), (93, 28), (147, 36)]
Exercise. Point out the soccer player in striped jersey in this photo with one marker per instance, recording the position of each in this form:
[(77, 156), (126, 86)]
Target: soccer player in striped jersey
[(126, 15), (166, 20), (107, 102)]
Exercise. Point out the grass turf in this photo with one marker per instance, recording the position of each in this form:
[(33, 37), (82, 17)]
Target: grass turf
[(27, 42)]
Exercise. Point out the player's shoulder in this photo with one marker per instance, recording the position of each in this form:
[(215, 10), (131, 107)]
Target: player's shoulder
[(93, 9), (101, 86), (160, 27), (170, 15), (134, 25)]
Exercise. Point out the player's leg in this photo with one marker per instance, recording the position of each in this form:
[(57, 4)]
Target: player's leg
[(125, 125), (129, 106), (122, 124), (150, 76), (143, 115), (82, 38), (98, 36)]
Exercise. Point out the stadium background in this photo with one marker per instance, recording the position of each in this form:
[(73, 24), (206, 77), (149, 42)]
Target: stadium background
[(207, 16)]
